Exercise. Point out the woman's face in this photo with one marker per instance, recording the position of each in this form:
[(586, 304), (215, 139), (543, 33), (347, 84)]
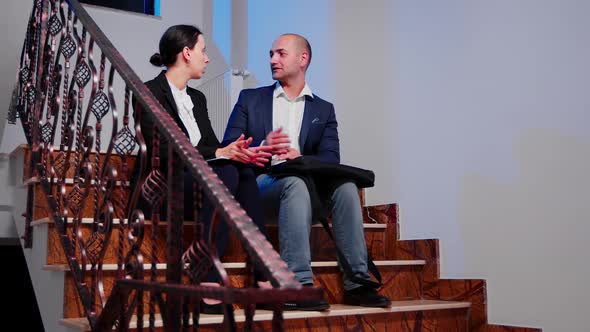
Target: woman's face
[(198, 58)]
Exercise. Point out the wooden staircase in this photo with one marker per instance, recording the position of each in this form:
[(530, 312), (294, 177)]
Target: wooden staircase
[(92, 269), (410, 270)]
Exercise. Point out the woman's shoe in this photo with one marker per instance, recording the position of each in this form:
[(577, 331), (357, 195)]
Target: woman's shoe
[(211, 309)]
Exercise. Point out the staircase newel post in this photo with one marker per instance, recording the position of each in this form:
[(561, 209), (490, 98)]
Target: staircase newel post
[(174, 237)]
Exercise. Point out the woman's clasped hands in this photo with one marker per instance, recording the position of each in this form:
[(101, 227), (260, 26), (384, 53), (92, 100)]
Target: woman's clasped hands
[(240, 150)]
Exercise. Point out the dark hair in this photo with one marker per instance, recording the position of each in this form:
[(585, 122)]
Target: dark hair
[(308, 46), (173, 41)]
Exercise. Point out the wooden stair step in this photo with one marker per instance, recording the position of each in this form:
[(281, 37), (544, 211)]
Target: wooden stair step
[(116, 221), (41, 206), (239, 265), (336, 310), (115, 160), (35, 180), (121, 190), (322, 247), (402, 280)]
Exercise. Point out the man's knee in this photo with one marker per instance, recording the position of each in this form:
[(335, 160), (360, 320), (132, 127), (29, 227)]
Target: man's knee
[(347, 192), (294, 187)]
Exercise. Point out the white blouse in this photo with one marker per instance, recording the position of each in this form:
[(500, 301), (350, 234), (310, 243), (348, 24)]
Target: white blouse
[(185, 111)]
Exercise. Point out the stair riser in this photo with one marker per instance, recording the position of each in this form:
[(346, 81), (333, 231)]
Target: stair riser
[(322, 247), (436, 320), (115, 160), (122, 192), (400, 283), (41, 205)]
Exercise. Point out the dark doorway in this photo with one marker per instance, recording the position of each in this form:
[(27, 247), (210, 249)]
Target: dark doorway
[(19, 304)]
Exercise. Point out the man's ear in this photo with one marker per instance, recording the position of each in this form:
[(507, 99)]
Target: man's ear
[(304, 58)]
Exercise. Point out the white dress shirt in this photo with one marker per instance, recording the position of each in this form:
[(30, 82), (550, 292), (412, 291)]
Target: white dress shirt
[(288, 113), (185, 111)]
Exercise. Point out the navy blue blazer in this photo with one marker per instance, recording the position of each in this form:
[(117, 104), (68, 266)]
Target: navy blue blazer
[(252, 116)]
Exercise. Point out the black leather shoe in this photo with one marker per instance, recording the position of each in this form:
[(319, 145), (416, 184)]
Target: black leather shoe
[(307, 305), (320, 305), (311, 305), (366, 297), (211, 309)]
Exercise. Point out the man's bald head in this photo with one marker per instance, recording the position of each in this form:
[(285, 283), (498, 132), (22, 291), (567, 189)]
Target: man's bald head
[(302, 45)]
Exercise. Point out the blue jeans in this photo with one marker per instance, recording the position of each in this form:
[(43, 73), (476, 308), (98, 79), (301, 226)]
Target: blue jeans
[(287, 200)]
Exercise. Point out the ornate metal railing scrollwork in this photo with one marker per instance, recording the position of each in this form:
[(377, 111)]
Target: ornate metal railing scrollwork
[(82, 154)]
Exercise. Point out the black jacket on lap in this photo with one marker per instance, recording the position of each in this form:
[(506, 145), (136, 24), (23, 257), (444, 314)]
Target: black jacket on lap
[(321, 179)]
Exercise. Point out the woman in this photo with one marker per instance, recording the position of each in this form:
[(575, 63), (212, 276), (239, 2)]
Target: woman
[(182, 52)]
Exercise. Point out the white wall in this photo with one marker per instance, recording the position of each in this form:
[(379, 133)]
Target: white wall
[(13, 23), (494, 145), (339, 72), (474, 116), (136, 36)]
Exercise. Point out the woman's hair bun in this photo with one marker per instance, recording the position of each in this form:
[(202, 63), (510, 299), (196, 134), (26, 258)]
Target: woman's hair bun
[(156, 60)]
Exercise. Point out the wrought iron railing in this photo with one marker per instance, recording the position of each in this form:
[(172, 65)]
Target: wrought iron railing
[(80, 151)]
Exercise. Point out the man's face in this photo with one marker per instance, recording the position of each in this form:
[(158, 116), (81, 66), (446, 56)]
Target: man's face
[(285, 58)]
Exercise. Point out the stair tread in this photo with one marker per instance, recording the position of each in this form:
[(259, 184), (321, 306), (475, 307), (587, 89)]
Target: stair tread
[(35, 180), (335, 310), (239, 265), (47, 220)]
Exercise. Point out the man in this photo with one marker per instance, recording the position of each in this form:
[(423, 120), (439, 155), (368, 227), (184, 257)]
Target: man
[(289, 118)]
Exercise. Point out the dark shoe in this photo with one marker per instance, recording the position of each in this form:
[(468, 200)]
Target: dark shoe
[(307, 305), (311, 305), (211, 309), (366, 297)]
